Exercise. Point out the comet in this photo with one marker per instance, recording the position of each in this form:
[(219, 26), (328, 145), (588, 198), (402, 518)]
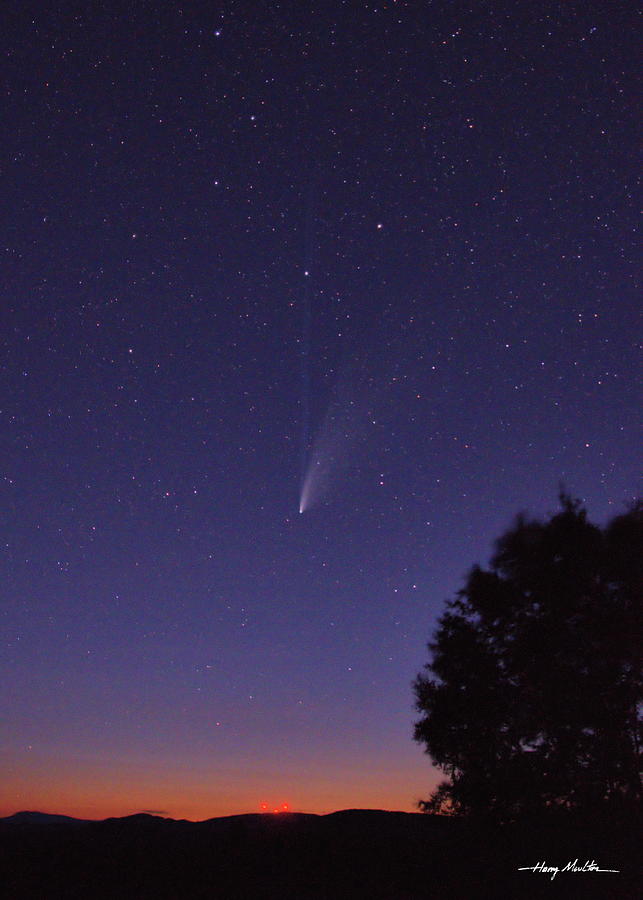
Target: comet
[(348, 426), (332, 454)]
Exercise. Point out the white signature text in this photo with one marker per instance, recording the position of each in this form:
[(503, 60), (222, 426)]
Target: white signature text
[(544, 869)]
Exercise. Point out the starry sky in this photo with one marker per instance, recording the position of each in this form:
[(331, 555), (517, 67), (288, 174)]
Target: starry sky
[(301, 303)]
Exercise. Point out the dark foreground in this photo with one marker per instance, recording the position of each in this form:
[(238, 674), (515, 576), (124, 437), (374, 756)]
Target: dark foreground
[(352, 854)]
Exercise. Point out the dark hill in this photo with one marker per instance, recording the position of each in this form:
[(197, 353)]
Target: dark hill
[(349, 854), (27, 817)]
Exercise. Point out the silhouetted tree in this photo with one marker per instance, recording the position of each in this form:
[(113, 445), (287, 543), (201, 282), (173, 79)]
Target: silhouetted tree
[(534, 693)]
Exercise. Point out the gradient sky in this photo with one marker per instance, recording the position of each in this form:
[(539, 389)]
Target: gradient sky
[(383, 252)]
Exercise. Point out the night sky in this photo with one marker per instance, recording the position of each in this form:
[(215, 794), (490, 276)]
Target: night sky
[(372, 261)]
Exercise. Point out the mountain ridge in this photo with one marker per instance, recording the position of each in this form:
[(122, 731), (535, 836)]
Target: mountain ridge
[(354, 854), (37, 817)]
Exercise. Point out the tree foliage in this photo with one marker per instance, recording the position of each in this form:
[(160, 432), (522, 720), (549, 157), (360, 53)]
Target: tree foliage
[(533, 692)]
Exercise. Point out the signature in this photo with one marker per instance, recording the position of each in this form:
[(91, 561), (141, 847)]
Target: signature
[(575, 866)]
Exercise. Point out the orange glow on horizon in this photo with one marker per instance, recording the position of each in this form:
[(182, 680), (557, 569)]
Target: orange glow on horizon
[(99, 789)]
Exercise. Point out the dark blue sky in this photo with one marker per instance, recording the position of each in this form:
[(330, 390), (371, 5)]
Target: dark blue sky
[(457, 181)]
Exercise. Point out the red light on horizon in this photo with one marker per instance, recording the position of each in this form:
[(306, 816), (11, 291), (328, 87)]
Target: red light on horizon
[(285, 807)]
